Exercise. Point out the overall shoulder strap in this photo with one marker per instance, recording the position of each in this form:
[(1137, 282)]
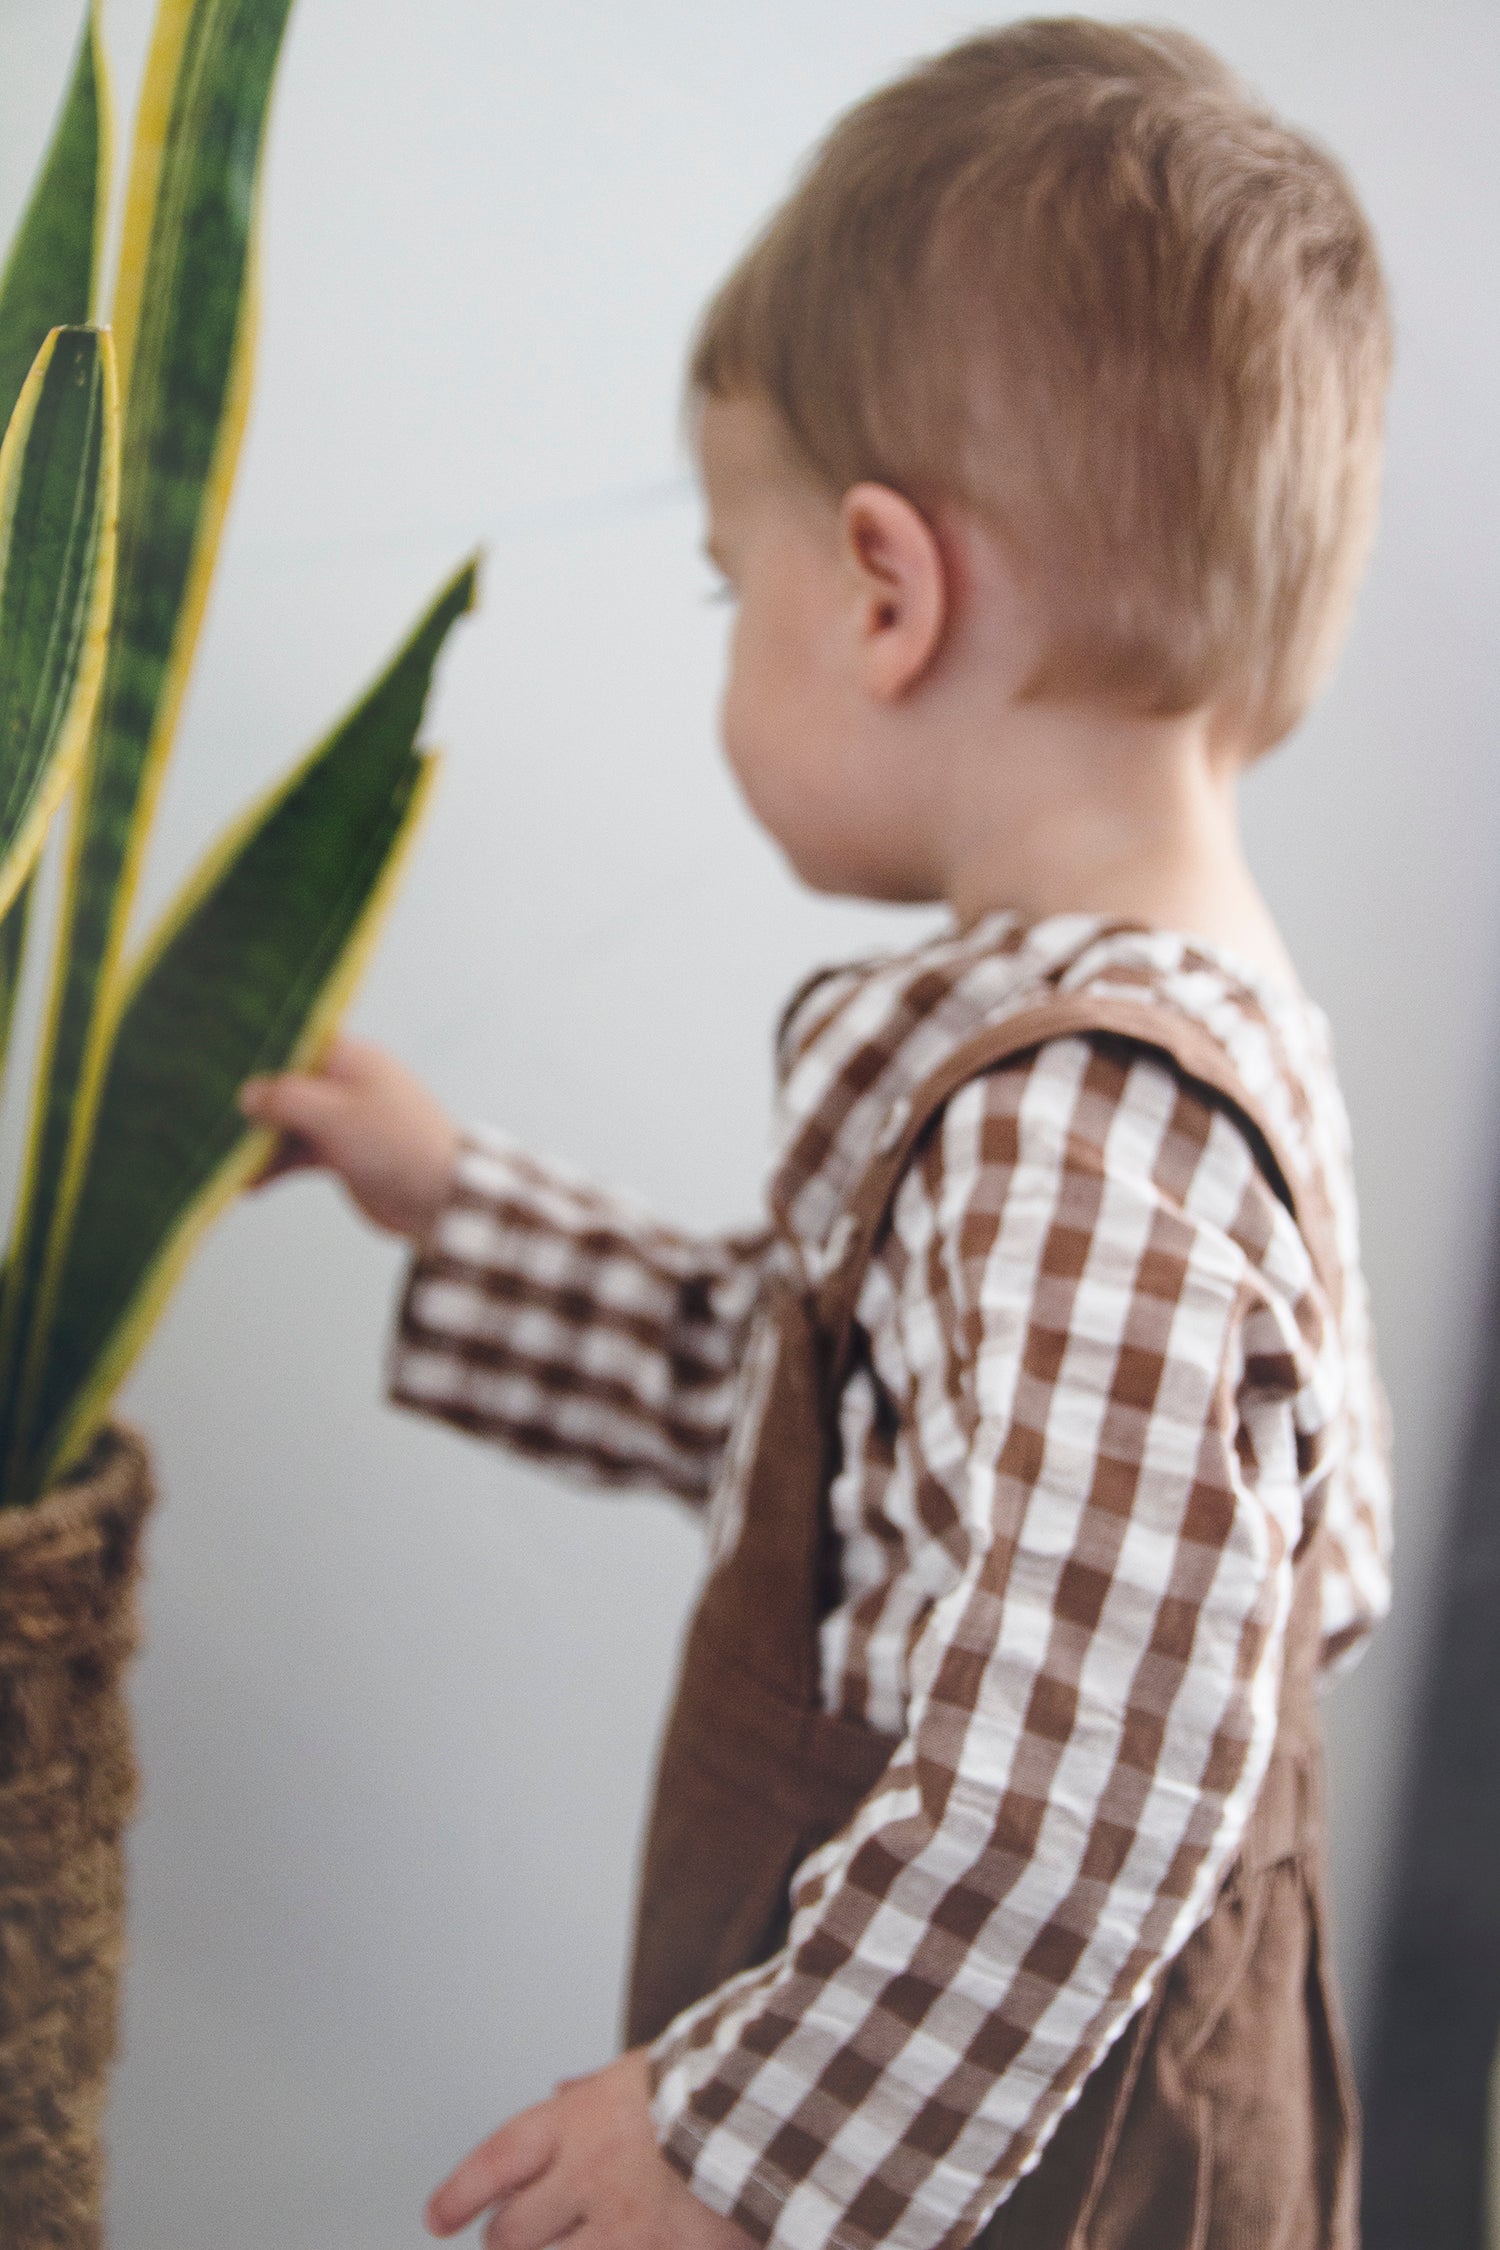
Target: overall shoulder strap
[(1195, 1052)]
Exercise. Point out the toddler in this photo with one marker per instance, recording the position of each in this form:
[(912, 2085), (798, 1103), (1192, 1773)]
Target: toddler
[(1037, 1428)]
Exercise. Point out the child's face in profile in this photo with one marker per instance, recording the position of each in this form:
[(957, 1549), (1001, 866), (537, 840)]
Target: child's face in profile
[(794, 706)]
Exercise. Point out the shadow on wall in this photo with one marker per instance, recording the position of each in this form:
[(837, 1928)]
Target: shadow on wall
[(1432, 2086)]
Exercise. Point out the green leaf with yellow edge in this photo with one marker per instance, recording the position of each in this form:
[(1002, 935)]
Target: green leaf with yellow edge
[(50, 280), (184, 322), (247, 974), (59, 481), (14, 924), (52, 271)]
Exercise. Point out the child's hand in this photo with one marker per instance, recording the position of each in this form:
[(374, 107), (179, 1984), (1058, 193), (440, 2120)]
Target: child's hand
[(585, 2166), (364, 1117)]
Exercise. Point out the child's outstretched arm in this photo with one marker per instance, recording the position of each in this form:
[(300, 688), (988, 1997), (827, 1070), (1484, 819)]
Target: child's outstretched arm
[(540, 1310)]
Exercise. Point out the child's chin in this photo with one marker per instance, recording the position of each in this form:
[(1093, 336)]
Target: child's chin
[(831, 882), (882, 886), (846, 878)]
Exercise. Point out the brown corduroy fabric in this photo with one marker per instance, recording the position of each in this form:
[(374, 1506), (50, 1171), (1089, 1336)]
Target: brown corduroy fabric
[(68, 1568)]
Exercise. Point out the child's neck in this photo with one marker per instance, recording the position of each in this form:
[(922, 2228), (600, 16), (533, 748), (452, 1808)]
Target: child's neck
[(1076, 810)]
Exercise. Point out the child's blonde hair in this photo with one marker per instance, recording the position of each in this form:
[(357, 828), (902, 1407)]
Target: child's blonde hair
[(1072, 276)]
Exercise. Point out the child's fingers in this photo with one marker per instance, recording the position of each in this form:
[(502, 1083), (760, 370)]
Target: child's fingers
[(508, 2161), (288, 1155), (349, 1060), (537, 2216), (296, 1102)]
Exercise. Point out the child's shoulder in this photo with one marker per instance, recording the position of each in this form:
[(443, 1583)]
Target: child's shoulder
[(856, 1038), (860, 1044)]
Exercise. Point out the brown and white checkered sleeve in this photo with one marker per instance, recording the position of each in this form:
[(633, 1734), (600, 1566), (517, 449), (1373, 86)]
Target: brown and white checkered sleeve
[(1357, 1581), (1100, 1331), (563, 1321)]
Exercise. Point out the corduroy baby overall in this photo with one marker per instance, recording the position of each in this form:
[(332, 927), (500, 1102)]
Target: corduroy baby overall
[(1224, 2117)]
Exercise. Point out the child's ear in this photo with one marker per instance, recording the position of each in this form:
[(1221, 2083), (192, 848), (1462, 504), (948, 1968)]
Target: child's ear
[(900, 582)]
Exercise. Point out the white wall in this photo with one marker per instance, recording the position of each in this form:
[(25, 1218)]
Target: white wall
[(398, 1703)]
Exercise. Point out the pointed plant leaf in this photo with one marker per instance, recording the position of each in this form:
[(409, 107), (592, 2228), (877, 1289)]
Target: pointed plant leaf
[(248, 973), (59, 496), (185, 323), (185, 320), (51, 273), (59, 477)]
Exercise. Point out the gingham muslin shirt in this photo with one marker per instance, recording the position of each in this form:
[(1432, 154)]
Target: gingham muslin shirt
[(1098, 1392)]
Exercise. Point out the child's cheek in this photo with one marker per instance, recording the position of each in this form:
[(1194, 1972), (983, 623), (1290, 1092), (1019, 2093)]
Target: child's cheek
[(741, 710)]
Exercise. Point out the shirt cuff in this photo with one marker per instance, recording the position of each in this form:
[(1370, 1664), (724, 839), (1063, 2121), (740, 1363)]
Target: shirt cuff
[(489, 1170), (739, 2181)]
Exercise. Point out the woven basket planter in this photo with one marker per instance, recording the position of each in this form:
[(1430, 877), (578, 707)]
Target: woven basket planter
[(68, 1568)]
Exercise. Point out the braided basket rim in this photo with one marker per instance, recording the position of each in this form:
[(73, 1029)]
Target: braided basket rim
[(114, 1473)]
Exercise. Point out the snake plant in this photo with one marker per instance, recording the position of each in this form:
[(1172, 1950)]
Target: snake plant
[(118, 459)]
